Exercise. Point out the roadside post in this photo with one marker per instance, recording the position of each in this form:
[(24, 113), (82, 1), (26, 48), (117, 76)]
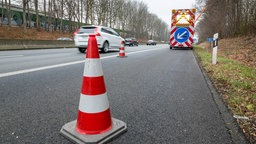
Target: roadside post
[(215, 48)]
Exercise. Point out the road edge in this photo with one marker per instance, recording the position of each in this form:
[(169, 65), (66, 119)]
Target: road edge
[(231, 125)]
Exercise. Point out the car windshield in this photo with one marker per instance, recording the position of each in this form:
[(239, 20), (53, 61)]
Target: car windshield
[(86, 30)]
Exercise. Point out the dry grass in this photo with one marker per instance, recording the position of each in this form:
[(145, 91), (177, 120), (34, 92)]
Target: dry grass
[(32, 34), (240, 49)]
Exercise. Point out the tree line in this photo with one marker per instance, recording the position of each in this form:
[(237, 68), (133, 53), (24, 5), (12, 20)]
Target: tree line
[(130, 18), (229, 18)]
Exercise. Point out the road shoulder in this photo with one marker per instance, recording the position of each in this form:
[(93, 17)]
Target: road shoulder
[(232, 127)]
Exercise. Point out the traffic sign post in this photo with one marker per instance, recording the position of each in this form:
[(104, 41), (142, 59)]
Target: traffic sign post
[(215, 48), (210, 39)]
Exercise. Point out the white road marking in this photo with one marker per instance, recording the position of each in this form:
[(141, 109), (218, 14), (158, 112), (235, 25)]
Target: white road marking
[(64, 64), (10, 56)]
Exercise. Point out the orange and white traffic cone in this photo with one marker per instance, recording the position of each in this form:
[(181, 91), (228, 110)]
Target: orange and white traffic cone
[(94, 113), (94, 123), (122, 50)]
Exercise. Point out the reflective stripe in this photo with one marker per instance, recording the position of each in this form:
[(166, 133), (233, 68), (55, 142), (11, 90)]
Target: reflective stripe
[(121, 51), (173, 30), (92, 68), (93, 104)]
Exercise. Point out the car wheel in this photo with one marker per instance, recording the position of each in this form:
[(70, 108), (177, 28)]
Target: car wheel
[(170, 47), (105, 47), (82, 50)]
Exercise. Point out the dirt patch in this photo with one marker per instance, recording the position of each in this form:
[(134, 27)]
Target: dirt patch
[(31, 34)]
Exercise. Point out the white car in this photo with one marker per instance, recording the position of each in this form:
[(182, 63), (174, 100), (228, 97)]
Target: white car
[(106, 37)]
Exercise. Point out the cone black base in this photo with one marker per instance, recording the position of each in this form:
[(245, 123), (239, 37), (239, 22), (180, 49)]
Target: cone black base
[(69, 131)]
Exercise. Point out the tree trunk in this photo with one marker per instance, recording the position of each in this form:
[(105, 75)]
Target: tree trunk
[(37, 16), (62, 13), (2, 16), (8, 12), (45, 24), (81, 11), (24, 2), (49, 21), (29, 17)]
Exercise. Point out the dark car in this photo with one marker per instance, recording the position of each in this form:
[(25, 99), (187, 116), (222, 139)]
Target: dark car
[(151, 42), (131, 42)]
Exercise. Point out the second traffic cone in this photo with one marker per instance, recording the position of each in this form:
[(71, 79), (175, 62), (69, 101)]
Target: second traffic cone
[(122, 50), (94, 123)]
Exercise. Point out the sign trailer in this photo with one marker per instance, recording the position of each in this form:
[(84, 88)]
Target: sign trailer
[(182, 28)]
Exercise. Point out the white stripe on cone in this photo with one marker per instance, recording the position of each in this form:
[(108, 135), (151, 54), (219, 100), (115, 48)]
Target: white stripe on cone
[(92, 68), (93, 104)]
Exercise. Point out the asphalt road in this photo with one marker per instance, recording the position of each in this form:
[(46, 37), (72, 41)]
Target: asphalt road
[(160, 93)]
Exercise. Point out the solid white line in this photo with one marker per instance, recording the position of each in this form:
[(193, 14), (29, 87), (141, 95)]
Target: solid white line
[(64, 64), (10, 56), (38, 69)]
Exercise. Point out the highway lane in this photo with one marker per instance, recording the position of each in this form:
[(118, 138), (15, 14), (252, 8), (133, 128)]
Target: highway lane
[(160, 93), (29, 59)]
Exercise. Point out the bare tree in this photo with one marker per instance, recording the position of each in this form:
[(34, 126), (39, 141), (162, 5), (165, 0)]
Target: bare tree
[(37, 15), (70, 11), (8, 11), (132, 18), (45, 16), (24, 4), (229, 18), (2, 16), (89, 12)]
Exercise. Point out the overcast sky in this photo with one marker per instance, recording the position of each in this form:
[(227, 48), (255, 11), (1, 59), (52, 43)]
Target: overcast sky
[(162, 8)]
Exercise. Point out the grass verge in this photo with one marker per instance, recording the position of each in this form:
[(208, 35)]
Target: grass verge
[(235, 83)]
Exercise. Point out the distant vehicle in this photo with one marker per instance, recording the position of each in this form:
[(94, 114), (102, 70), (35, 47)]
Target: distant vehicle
[(64, 39), (131, 42), (151, 42), (106, 37)]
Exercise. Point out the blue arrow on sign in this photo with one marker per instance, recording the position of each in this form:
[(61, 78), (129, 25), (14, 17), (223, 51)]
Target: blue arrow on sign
[(181, 35)]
